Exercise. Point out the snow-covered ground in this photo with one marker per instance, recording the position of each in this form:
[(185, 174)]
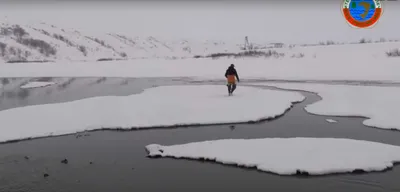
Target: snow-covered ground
[(75, 54), (35, 84), (285, 69), (161, 106), (286, 156), (379, 104)]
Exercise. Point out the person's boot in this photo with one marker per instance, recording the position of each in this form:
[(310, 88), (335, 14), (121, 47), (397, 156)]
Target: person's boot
[(229, 89), (233, 89)]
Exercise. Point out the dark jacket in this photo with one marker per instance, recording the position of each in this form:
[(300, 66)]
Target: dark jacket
[(231, 71)]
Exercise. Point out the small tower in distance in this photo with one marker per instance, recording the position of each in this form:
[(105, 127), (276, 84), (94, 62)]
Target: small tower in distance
[(247, 45)]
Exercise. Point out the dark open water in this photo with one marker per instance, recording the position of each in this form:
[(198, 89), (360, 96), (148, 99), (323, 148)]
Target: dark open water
[(119, 162)]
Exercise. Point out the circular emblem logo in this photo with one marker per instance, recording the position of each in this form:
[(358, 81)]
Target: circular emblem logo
[(362, 13)]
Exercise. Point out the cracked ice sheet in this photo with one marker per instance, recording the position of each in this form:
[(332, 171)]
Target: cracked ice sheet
[(285, 156), (379, 104), (160, 106)]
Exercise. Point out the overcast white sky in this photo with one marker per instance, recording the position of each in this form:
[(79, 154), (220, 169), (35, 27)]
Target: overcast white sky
[(287, 21)]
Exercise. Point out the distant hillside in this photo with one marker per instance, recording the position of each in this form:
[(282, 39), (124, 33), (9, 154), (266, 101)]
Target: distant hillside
[(44, 42), (48, 42)]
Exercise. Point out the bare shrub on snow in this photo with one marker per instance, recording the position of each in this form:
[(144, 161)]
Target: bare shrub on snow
[(27, 54), (300, 55), (12, 51), (18, 31), (16, 54), (26, 61), (101, 42), (19, 54), (123, 54), (270, 53), (124, 39), (363, 40), (43, 47), (82, 49), (42, 31), (330, 43), (393, 53), (45, 32), (278, 45), (327, 43), (63, 39), (3, 49), (187, 49), (217, 55), (5, 31), (105, 59)]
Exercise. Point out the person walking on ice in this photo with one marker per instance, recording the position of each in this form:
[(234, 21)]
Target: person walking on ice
[(230, 75)]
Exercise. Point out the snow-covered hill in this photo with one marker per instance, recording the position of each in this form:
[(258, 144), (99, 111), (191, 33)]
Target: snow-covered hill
[(45, 42), (49, 42)]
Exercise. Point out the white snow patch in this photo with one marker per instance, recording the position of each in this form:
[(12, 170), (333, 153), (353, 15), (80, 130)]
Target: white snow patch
[(160, 106), (35, 84), (284, 69), (316, 156), (379, 104), (331, 121)]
